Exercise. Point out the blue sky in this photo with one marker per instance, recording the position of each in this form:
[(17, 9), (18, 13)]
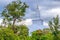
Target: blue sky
[(47, 8)]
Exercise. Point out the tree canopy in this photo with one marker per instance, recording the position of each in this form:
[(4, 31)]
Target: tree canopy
[(14, 11)]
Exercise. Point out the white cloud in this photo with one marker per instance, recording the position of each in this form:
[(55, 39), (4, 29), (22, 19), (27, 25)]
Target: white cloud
[(45, 24), (26, 22), (51, 12), (54, 11)]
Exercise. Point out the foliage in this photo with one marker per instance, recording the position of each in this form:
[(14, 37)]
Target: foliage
[(8, 34), (14, 12), (46, 31), (36, 35), (54, 26), (48, 36), (23, 32)]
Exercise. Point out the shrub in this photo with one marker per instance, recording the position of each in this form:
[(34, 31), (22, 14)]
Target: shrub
[(8, 34)]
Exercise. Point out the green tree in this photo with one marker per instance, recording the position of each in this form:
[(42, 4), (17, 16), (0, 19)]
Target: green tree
[(47, 36), (54, 25), (46, 31), (14, 11), (36, 35), (23, 32)]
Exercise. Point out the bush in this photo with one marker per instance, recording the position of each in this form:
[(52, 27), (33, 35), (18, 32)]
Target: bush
[(8, 34), (47, 37)]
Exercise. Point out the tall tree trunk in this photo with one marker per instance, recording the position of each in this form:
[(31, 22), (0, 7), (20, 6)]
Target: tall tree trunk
[(13, 26)]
